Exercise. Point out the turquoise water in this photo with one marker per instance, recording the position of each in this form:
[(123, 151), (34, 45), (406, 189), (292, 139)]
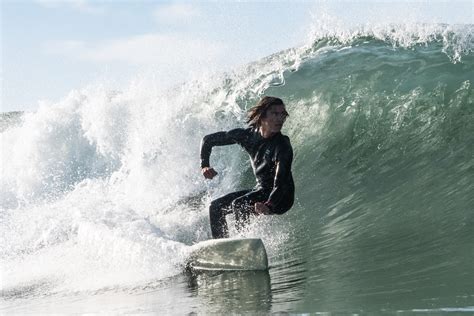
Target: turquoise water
[(102, 197)]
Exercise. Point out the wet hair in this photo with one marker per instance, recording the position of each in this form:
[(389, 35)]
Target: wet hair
[(259, 111)]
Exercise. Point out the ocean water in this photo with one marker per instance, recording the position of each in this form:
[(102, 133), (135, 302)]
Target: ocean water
[(101, 194)]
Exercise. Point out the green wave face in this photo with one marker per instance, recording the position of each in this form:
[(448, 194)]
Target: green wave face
[(384, 169)]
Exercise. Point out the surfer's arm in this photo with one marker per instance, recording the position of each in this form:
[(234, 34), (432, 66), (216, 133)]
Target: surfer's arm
[(282, 175), (218, 139)]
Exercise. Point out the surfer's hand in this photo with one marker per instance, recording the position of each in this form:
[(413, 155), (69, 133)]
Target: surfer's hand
[(208, 172), (261, 208)]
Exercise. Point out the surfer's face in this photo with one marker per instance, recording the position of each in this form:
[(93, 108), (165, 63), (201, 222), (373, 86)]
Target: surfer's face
[(274, 119)]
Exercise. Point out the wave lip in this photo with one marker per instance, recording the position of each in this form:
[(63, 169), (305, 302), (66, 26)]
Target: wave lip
[(456, 40)]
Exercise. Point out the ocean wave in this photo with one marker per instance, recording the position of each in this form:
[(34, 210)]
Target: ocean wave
[(381, 121)]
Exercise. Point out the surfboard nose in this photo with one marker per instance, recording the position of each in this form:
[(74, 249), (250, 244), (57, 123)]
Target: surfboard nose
[(229, 254)]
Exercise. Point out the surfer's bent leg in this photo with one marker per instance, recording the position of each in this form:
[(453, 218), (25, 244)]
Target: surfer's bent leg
[(243, 206), (218, 209)]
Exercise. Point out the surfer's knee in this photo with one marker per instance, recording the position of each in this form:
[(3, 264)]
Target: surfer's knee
[(214, 205), (215, 209), (283, 208), (217, 218), (280, 211)]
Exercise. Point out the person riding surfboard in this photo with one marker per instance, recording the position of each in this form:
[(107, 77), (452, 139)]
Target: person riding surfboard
[(271, 156)]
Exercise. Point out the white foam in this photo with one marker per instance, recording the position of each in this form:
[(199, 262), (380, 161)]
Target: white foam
[(91, 188)]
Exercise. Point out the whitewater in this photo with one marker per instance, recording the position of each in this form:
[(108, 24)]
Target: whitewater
[(101, 195)]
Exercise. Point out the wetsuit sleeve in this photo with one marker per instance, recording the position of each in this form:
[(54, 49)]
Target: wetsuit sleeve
[(284, 160), (234, 136)]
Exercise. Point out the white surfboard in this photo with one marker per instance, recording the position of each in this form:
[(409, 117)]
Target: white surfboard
[(229, 254)]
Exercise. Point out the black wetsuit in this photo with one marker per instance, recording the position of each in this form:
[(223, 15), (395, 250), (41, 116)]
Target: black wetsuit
[(271, 160)]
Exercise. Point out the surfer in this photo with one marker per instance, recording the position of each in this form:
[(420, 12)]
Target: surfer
[(271, 156)]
